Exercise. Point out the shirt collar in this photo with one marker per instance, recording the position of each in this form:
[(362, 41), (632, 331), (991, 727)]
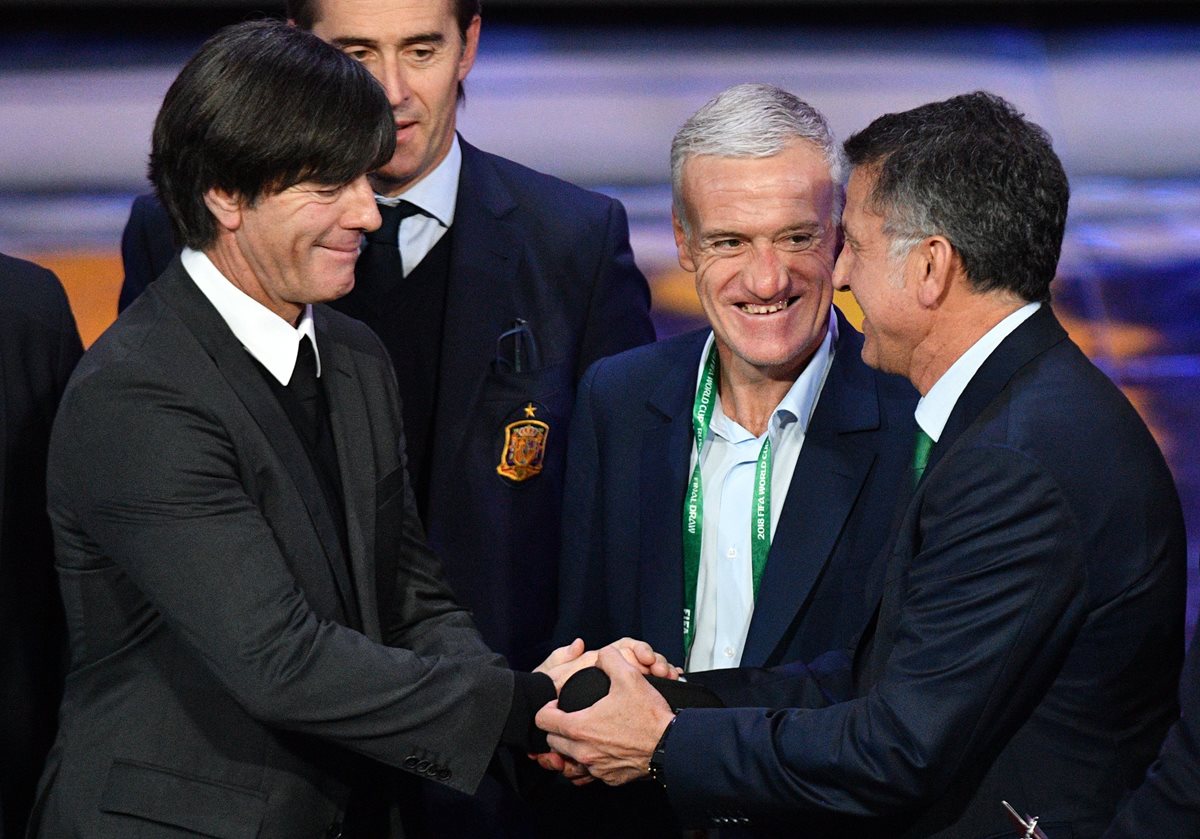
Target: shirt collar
[(265, 335), (800, 401), (933, 410), (436, 193)]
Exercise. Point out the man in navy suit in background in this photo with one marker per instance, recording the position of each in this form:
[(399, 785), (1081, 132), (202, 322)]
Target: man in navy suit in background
[(756, 176), (39, 347), (493, 288)]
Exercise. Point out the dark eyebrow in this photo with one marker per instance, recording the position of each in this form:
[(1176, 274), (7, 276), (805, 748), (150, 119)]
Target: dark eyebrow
[(362, 41)]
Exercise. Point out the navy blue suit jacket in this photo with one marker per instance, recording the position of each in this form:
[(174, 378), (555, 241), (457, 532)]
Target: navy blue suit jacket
[(525, 245), (39, 347), (1026, 645), (622, 565)]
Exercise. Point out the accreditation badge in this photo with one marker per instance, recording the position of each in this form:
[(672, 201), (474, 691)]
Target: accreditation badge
[(524, 449)]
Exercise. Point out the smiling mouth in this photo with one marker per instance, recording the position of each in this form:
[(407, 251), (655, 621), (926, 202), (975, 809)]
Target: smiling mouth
[(767, 308)]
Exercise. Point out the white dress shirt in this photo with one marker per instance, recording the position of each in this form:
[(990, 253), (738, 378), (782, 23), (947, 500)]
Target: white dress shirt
[(725, 586), (935, 406), (437, 196), (264, 334)]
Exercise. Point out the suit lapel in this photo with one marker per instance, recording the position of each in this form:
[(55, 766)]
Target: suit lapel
[(828, 477), (484, 253), (348, 415), (665, 456), (1037, 334), (243, 378), (1033, 337)]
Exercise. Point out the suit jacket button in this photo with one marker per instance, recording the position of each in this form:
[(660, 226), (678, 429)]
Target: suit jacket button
[(423, 766), (334, 831), (410, 762), (443, 774)]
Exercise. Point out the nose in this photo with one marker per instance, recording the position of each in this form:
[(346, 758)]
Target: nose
[(361, 211), (768, 274), (390, 73), (841, 271)]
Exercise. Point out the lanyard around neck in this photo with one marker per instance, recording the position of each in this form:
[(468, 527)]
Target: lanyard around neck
[(693, 507)]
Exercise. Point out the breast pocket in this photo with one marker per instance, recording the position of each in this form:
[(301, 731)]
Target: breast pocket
[(527, 414)]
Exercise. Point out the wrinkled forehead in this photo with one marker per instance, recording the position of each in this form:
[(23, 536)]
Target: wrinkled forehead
[(795, 182)]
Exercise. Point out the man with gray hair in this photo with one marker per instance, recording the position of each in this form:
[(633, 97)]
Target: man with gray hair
[(727, 489)]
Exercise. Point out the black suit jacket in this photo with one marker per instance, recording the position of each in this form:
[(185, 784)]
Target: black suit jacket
[(622, 565), (1167, 804), (39, 347), (1026, 645), (524, 245), (219, 682)]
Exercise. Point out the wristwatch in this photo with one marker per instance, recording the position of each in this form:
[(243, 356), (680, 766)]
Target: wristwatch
[(659, 757)]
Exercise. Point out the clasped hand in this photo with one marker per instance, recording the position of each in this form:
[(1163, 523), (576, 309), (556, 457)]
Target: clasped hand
[(614, 738)]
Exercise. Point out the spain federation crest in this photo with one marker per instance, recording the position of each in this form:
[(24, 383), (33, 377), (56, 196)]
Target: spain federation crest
[(524, 446)]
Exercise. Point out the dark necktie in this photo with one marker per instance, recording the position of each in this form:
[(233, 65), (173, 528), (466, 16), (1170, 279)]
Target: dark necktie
[(379, 265), (921, 449), (303, 385)]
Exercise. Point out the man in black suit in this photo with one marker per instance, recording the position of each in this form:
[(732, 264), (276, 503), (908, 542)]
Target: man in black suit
[(507, 283), (1028, 632), (258, 629), (39, 347), (491, 247)]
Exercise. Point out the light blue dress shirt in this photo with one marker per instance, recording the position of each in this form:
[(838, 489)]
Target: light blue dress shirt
[(725, 589)]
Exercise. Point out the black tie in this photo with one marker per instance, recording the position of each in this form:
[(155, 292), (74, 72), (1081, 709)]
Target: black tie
[(379, 264), (303, 385)]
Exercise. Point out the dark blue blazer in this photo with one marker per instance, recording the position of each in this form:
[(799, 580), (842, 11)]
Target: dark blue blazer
[(1027, 641), (622, 564), (524, 245), (39, 347), (1167, 804)]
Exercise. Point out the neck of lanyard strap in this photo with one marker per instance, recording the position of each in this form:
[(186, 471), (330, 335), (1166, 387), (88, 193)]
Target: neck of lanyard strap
[(693, 507)]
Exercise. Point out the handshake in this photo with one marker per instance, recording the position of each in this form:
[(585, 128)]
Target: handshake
[(613, 708)]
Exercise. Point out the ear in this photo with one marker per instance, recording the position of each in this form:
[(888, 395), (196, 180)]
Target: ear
[(935, 268), (467, 60), (226, 207), (681, 243)]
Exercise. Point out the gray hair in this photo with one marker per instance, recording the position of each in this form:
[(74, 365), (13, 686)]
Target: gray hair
[(754, 120)]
